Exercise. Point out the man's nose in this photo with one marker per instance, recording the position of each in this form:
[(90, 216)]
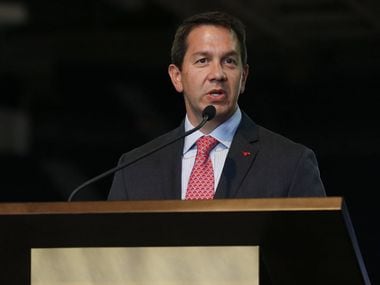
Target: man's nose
[(217, 72)]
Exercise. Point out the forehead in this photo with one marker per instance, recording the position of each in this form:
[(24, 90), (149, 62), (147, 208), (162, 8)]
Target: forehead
[(211, 35)]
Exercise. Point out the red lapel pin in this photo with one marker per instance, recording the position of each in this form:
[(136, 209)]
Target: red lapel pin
[(246, 153)]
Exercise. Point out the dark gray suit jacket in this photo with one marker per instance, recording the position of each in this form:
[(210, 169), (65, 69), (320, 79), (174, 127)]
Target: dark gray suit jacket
[(259, 164)]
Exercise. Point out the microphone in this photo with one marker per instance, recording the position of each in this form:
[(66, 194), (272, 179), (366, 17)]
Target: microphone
[(208, 114)]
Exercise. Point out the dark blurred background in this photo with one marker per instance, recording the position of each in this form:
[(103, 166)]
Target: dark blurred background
[(83, 81)]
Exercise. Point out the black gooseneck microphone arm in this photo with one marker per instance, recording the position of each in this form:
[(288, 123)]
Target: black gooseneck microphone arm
[(207, 115)]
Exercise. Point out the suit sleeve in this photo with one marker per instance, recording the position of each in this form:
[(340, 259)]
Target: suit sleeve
[(306, 181)]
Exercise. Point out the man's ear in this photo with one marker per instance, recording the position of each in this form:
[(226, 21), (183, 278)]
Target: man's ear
[(244, 78), (176, 77)]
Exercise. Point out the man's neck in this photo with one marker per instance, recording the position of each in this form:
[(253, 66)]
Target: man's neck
[(212, 124)]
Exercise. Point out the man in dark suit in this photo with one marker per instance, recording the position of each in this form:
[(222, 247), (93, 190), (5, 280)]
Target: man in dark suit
[(209, 67)]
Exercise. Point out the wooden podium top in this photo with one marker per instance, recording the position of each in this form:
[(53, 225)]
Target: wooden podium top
[(171, 206)]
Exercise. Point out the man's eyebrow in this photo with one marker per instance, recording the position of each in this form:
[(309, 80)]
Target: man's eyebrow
[(206, 53), (200, 53), (232, 53)]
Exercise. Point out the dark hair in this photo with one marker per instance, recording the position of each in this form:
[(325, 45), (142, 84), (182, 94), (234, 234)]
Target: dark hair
[(179, 46)]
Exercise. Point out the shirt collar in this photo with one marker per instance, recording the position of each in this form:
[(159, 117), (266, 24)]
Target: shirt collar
[(224, 133)]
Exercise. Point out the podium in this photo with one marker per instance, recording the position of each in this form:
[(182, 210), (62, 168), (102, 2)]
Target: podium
[(300, 240)]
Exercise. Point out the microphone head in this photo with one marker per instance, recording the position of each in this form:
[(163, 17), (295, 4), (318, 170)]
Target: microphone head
[(209, 112)]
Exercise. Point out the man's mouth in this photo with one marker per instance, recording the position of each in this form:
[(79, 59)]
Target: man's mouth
[(216, 92)]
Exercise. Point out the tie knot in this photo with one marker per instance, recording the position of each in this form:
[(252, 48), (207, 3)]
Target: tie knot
[(205, 144)]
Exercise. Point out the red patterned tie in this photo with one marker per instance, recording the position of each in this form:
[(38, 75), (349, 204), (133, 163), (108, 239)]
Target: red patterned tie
[(201, 182)]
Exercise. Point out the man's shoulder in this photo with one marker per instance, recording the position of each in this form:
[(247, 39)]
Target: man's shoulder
[(268, 138), (154, 146)]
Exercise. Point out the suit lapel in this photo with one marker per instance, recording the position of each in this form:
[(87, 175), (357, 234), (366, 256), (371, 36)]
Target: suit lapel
[(240, 158)]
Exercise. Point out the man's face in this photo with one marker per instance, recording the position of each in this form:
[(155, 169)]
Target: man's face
[(212, 73)]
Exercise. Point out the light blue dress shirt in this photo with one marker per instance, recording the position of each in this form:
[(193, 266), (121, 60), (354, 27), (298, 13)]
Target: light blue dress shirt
[(224, 133)]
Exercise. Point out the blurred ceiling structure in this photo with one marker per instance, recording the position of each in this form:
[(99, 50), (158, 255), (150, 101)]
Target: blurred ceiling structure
[(67, 29)]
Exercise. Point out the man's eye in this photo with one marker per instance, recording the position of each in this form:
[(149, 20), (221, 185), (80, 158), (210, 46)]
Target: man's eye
[(230, 60), (202, 60)]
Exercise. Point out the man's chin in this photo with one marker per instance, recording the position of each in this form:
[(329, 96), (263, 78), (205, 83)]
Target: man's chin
[(223, 114)]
